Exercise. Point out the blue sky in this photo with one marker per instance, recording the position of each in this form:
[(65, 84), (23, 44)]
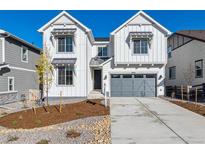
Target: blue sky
[(25, 24)]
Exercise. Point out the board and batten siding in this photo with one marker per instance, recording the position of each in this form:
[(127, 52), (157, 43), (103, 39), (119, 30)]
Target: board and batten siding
[(13, 55), (79, 88), (123, 49)]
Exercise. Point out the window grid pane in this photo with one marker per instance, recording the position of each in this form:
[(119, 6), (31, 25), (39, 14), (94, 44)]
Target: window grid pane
[(137, 46), (65, 75), (144, 48), (11, 84), (61, 44), (69, 44)]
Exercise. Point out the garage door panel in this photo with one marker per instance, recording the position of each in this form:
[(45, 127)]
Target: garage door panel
[(116, 86), (138, 87), (150, 87), (133, 86)]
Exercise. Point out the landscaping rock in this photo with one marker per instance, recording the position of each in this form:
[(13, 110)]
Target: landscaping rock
[(94, 130)]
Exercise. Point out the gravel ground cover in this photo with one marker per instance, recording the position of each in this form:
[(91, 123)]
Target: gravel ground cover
[(93, 130)]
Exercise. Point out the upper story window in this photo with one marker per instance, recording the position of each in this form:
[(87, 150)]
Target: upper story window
[(199, 68), (102, 51), (172, 72), (65, 44), (169, 51), (140, 46), (65, 75), (24, 54), (10, 83)]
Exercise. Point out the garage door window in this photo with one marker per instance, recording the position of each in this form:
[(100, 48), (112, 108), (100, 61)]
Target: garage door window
[(115, 76), (150, 76), (127, 76), (138, 76)]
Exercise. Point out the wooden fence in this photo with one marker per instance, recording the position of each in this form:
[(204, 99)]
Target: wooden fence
[(191, 93)]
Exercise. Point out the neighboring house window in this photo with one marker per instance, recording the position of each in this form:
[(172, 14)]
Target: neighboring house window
[(140, 46), (10, 83), (169, 51), (102, 51), (65, 75), (199, 68), (24, 54), (172, 72), (65, 44)]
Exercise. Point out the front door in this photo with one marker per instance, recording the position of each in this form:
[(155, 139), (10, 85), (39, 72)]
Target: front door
[(97, 79)]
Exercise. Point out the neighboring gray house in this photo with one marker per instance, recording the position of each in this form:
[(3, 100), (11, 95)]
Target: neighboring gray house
[(186, 56), (17, 67)]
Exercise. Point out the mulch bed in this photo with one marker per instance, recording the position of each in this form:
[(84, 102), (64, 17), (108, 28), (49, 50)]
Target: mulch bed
[(27, 119), (197, 108)]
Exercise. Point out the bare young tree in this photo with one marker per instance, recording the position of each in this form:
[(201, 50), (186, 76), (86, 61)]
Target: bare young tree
[(189, 78), (189, 74), (45, 71)]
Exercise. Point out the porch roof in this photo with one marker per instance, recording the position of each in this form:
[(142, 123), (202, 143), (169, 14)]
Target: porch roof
[(65, 31), (64, 61), (97, 61)]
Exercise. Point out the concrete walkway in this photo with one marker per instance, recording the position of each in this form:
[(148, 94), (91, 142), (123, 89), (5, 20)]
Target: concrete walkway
[(153, 120)]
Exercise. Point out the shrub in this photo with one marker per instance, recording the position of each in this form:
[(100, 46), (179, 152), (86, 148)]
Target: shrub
[(72, 133), (43, 141), (14, 123), (12, 138)]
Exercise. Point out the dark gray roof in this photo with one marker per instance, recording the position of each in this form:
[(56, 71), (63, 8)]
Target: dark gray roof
[(195, 34), (7, 34), (98, 60), (101, 39), (65, 61)]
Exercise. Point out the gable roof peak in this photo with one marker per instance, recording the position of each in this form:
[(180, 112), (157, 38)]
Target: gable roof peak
[(146, 16)]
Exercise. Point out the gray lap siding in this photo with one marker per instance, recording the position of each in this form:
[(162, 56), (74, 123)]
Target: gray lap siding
[(23, 81), (13, 55), (1, 51)]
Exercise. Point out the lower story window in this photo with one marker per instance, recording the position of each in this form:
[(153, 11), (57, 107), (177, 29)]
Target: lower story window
[(65, 75), (199, 68), (172, 72), (10, 83)]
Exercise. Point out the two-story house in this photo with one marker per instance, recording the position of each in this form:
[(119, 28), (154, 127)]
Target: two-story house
[(131, 62), (17, 67), (186, 56)]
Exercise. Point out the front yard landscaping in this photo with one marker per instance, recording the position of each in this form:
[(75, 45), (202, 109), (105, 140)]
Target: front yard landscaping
[(82, 122), (50, 115), (192, 106)]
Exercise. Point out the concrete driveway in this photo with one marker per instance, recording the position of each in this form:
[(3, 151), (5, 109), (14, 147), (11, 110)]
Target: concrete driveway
[(154, 120)]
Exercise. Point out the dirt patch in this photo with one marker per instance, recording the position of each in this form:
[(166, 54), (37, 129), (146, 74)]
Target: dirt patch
[(27, 119), (197, 108)]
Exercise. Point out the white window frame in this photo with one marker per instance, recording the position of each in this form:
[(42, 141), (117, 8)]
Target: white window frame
[(65, 44), (102, 47), (25, 61), (12, 83), (64, 85), (133, 48)]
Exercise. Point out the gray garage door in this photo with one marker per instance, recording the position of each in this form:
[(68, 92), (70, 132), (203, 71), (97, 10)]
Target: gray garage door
[(138, 85)]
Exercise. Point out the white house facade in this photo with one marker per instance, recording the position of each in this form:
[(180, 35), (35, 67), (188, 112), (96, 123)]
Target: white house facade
[(131, 62)]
